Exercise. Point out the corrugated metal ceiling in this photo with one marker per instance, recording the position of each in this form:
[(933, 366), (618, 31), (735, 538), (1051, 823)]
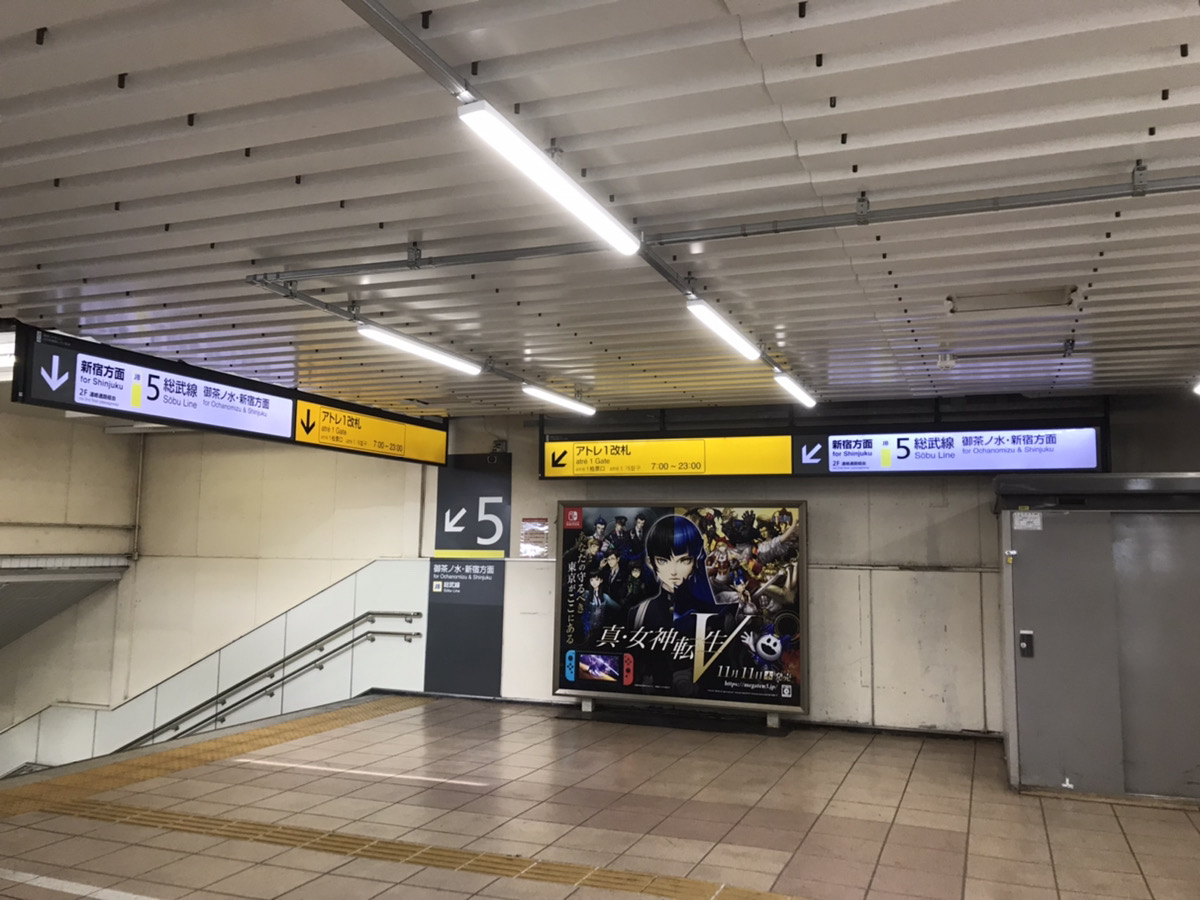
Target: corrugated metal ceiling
[(258, 136)]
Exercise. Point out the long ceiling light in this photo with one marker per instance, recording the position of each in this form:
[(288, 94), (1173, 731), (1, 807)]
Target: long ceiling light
[(789, 384), (418, 348), (558, 399), (482, 118), (730, 335), (8, 355)]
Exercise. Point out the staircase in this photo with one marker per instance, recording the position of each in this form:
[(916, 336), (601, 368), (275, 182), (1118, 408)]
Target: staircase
[(360, 634)]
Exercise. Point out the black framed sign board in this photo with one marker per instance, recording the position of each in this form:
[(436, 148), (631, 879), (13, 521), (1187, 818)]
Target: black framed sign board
[(693, 605)]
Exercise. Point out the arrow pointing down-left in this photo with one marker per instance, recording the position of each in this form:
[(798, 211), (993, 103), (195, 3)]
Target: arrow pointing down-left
[(52, 377), (452, 524)]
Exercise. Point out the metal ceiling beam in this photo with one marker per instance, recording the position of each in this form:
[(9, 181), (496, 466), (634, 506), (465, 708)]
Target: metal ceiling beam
[(375, 14), (929, 211), (415, 260)]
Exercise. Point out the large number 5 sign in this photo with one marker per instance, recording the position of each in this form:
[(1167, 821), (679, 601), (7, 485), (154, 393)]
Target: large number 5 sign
[(490, 518), (479, 483)]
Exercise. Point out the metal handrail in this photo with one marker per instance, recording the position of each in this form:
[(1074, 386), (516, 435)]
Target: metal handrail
[(268, 671), (218, 715)]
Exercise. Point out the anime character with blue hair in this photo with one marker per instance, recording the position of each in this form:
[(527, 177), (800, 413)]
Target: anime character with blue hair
[(675, 555)]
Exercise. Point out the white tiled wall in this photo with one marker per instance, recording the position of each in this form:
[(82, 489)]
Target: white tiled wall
[(239, 531), (888, 646), (234, 532), (58, 473)]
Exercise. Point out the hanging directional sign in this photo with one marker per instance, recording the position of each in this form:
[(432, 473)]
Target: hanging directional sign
[(979, 450), (975, 451), (68, 373), (341, 428), (763, 455)]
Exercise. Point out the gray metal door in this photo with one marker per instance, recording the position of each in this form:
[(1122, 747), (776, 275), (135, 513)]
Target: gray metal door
[(1157, 560), (1068, 694)]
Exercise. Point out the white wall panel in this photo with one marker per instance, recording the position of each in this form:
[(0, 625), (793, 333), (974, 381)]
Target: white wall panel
[(298, 490), (318, 686), (18, 745), (65, 734), (264, 706), (527, 663), (374, 507), (251, 652), (160, 627), (231, 504), (181, 692), (223, 603), (993, 649), (101, 482), (117, 727), (282, 583), (839, 645), (320, 615), (389, 663), (927, 636), (398, 585), (925, 521), (838, 520), (92, 648), (171, 495)]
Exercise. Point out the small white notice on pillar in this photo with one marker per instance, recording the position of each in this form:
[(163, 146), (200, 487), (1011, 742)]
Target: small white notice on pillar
[(1026, 521)]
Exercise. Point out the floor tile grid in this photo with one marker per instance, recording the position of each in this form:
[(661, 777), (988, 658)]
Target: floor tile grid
[(850, 768), (1043, 826), (424, 856), (78, 785), (987, 791), (669, 732), (892, 823)]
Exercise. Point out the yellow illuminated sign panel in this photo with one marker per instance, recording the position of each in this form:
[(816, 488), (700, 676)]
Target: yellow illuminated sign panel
[(764, 455), (342, 429)]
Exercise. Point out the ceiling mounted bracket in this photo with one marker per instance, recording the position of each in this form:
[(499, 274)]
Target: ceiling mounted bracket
[(862, 206), (1138, 180)]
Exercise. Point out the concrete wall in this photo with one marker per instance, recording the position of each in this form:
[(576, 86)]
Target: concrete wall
[(903, 579), (236, 531), (65, 485), (233, 533)]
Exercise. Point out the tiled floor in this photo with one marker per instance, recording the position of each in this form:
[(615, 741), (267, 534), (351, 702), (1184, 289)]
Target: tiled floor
[(814, 813)]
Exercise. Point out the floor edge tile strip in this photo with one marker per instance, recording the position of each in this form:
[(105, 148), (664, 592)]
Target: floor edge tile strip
[(115, 775), (433, 856)]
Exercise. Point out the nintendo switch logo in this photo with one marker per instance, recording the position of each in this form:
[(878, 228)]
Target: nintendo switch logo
[(573, 517)]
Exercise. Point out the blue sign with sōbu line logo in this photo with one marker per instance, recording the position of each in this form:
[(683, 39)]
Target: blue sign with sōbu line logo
[(978, 450)]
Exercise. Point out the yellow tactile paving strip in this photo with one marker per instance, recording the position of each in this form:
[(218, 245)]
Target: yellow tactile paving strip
[(402, 851), (80, 785), (67, 795)]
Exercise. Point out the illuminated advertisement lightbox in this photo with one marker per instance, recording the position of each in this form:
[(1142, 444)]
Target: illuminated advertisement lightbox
[(701, 605)]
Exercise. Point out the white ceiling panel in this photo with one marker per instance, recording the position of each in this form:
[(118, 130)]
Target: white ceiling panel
[(255, 137)]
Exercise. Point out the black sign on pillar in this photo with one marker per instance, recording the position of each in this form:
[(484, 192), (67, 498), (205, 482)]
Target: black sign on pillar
[(474, 505), (466, 584)]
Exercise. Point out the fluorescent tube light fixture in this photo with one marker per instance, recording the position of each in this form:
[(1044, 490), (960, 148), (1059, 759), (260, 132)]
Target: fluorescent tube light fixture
[(418, 348), (558, 399), (482, 118), (8, 355), (789, 384), (714, 320), (1196, 389)]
